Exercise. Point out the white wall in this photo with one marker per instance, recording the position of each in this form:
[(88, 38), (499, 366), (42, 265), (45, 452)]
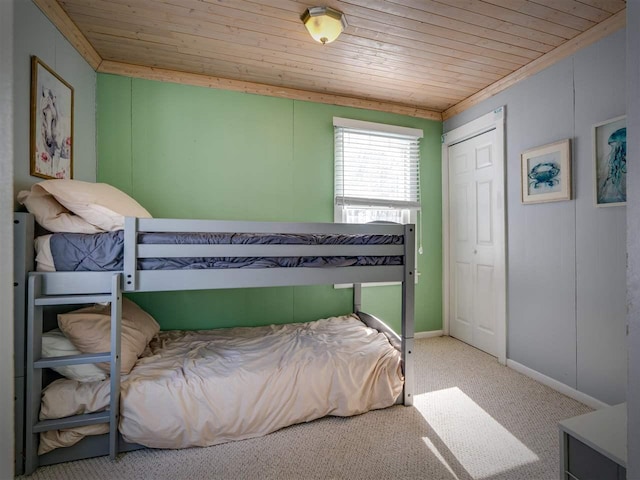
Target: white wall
[(601, 232), (34, 34), (566, 260), (6, 239), (633, 241)]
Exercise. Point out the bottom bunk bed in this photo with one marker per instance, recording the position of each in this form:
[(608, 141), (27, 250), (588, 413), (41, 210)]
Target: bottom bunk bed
[(202, 388), (198, 388)]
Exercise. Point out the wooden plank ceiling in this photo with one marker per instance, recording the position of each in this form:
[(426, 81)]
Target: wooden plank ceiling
[(422, 57)]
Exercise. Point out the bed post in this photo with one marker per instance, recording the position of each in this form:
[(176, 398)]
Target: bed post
[(408, 311), (130, 253), (23, 253), (114, 370), (357, 297), (33, 375)]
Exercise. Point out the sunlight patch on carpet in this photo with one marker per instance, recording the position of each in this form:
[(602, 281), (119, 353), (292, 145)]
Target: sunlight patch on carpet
[(468, 436)]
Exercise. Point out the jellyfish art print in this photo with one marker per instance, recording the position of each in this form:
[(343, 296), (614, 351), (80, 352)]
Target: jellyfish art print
[(612, 169)]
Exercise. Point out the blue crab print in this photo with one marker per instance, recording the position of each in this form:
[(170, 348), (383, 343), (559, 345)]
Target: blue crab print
[(544, 174)]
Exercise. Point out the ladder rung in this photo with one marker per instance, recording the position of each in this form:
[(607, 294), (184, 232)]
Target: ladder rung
[(71, 299), (51, 362), (72, 422)]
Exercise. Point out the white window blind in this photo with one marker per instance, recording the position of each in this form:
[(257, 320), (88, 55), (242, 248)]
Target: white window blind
[(377, 173), (376, 166)]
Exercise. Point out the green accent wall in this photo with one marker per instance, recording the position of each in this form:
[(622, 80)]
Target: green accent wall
[(193, 152)]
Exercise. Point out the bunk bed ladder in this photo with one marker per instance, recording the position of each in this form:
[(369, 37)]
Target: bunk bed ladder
[(36, 301)]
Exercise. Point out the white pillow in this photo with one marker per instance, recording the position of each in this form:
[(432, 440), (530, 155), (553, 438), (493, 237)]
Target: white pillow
[(51, 214), (97, 203), (44, 258), (55, 344)]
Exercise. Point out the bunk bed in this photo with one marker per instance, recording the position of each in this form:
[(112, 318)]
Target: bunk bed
[(47, 292)]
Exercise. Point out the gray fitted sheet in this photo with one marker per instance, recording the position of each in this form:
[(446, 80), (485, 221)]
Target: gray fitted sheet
[(104, 251)]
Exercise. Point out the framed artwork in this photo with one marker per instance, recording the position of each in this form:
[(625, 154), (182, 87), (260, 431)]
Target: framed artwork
[(546, 173), (610, 162), (51, 123)]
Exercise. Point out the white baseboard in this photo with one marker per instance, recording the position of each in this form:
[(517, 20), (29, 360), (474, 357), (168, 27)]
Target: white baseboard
[(429, 334), (556, 385)]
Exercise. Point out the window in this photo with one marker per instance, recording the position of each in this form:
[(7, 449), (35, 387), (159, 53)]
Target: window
[(377, 173)]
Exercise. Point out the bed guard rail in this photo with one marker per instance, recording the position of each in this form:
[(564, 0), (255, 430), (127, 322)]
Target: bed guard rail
[(151, 280)]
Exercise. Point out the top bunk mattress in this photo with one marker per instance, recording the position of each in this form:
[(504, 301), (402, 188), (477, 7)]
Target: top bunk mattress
[(105, 251)]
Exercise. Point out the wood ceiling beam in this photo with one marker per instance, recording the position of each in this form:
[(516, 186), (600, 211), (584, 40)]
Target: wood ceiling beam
[(159, 74)]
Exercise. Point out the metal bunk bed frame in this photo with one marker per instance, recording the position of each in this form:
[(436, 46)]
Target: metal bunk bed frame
[(68, 288)]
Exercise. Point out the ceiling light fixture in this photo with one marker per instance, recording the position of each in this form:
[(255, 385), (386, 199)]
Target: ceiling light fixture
[(323, 23)]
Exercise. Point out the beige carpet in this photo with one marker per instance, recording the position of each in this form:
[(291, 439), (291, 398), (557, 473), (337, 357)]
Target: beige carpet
[(472, 419)]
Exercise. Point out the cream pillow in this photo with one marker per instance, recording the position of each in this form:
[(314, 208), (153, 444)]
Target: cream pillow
[(55, 344), (49, 213), (97, 203), (89, 329)]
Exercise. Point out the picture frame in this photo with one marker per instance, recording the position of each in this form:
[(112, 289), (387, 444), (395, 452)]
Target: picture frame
[(51, 127), (610, 162), (546, 173)]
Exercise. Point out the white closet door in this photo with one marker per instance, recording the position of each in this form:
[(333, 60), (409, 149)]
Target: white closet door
[(475, 248)]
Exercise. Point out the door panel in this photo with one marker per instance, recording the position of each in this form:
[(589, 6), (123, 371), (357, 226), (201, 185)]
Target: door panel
[(484, 156), (485, 318), (461, 222), (484, 213), (462, 294)]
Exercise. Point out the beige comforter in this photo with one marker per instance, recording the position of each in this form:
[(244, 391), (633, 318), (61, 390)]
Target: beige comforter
[(199, 388)]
